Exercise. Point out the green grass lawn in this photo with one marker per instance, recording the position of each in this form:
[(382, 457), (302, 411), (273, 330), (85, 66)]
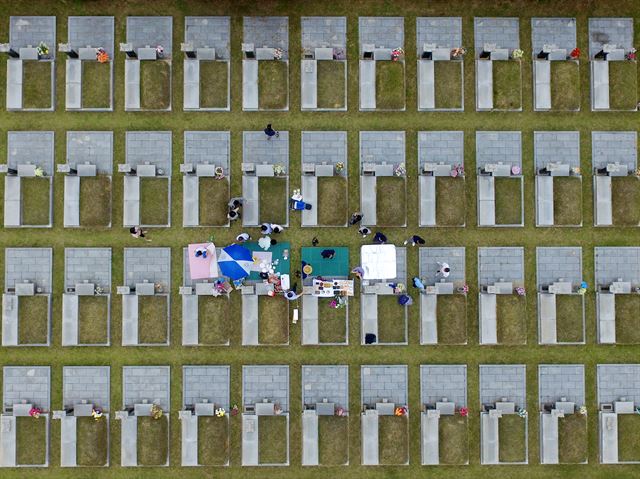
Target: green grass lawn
[(91, 441), (333, 440), (332, 324), (453, 440), (35, 201), (213, 198), (154, 201), (214, 320), (572, 439), (452, 319), (272, 439), (153, 441), (507, 85), (331, 84), (391, 201), (273, 85), (214, 84), (567, 200), (96, 84), (93, 319), (448, 84), (391, 320), (511, 314), (450, 200), (623, 85), (213, 440), (273, 199), (273, 320), (33, 319), (95, 201), (155, 85), (565, 86), (569, 320), (390, 81), (628, 437), (508, 201), (393, 439), (31, 441), (152, 319), (36, 84), (512, 438), (627, 319), (332, 201), (625, 200)]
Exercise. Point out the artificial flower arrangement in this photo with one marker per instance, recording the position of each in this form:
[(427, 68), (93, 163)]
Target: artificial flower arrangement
[(520, 291), (517, 54)]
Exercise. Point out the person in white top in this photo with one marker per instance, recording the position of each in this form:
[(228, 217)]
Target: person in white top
[(242, 237), (444, 269)]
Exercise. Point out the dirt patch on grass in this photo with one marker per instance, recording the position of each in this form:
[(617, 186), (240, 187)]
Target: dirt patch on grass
[(393, 439), (273, 85), (31, 441), (155, 85), (452, 318), (33, 319), (567, 200), (96, 84), (36, 197), (213, 441), (93, 319), (391, 201), (36, 84), (331, 84), (512, 438), (273, 200), (628, 437), (272, 439), (453, 440), (625, 200), (448, 80), (508, 201), (507, 85), (627, 319), (572, 439), (390, 85), (565, 86), (332, 201), (391, 320), (154, 201), (213, 200), (153, 441), (332, 323), (152, 319), (92, 438), (511, 315), (214, 321), (569, 321), (214, 84), (333, 440), (273, 320), (623, 85), (450, 200), (95, 201)]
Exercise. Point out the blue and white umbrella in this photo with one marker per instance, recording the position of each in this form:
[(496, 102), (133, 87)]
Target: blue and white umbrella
[(235, 262)]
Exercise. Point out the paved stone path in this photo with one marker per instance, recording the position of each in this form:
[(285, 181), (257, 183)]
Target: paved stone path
[(613, 262), (146, 382), (554, 146), (441, 146), (384, 382), (96, 147), (152, 264), (267, 381), (429, 258), (382, 146), (498, 381), (28, 264), (553, 31), (257, 149), (445, 32), (208, 147), (25, 31), (553, 263), (92, 264), (556, 381), (26, 383), (614, 31), (318, 32), (271, 32), (503, 31), (214, 32), (90, 383), (151, 31), (206, 382), (35, 147), (505, 263), (154, 147), (325, 382), (617, 381), (614, 146), (438, 381), (97, 32), (496, 146), (383, 32), (324, 146)]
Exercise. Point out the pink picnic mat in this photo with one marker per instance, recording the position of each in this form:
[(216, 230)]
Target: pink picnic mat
[(200, 268)]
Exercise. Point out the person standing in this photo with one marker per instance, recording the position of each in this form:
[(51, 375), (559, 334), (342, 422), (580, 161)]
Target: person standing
[(270, 132)]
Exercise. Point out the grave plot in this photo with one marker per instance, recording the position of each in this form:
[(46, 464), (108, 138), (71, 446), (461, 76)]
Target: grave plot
[(147, 72)]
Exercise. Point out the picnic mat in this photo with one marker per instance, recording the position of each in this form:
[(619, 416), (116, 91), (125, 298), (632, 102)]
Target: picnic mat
[(200, 268), (276, 251), (337, 267)]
